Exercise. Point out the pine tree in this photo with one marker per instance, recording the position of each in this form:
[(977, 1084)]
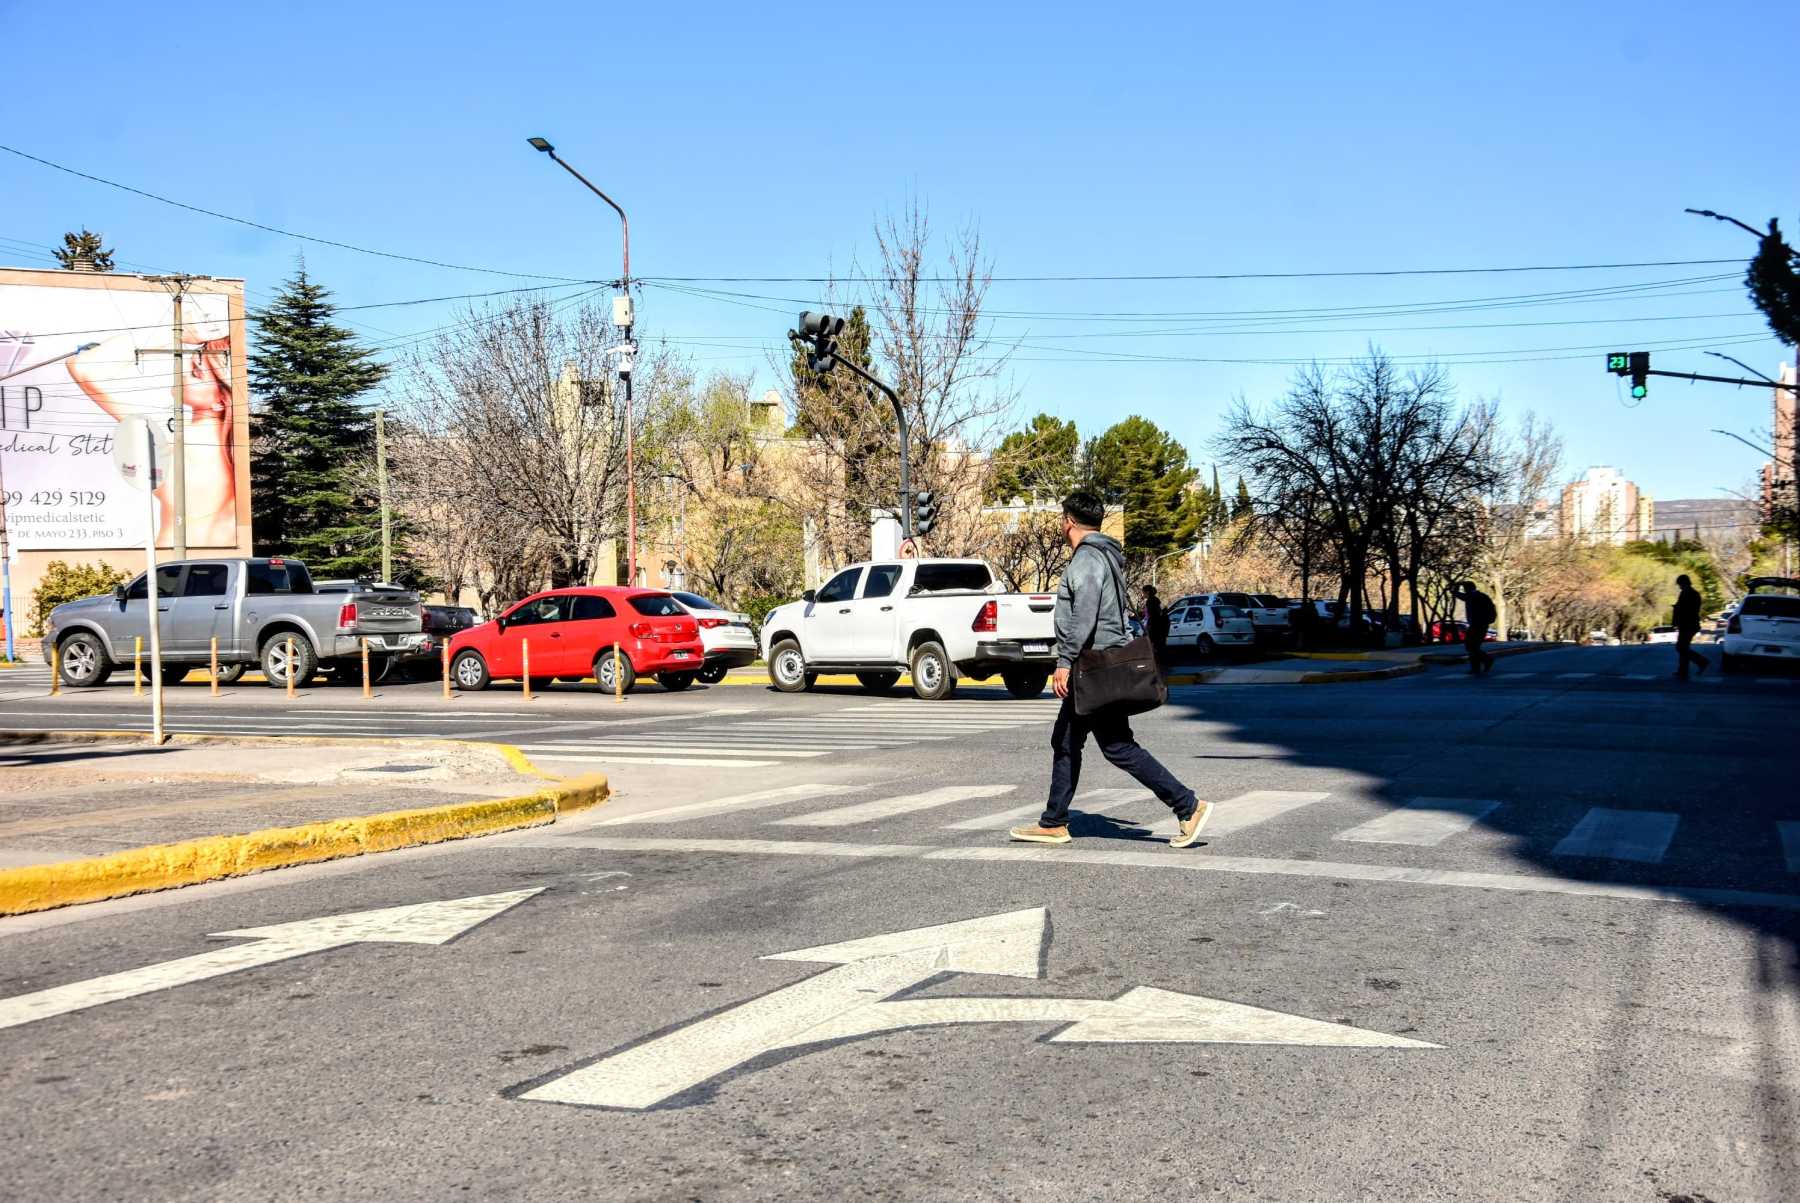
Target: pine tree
[(310, 436), (1134, 464), (1243, 504), (86, 251)]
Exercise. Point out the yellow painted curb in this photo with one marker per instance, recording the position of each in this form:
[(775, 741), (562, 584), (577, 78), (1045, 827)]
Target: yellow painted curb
[(517, 759), (190, 862), (1373, 674)]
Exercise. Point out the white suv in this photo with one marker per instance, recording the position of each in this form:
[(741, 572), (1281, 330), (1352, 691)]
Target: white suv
[(1767, 623)]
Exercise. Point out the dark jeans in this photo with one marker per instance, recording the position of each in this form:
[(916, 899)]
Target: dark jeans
[(1119, 747), (1479, 660), (1685, 653)]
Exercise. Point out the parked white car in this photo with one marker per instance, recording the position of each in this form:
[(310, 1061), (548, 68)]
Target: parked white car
[(1207, 627), (727, 635), (940, 620), (1268, 615), (1660, 635), (1766, 625)]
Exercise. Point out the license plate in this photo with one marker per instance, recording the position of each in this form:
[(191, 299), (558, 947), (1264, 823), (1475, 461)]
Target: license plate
[(680, 655), (1031, 648), (389, 612)]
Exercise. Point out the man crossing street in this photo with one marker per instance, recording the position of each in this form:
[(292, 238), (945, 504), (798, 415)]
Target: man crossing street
[(1687, 625), (1090, 613), (1480, 612)]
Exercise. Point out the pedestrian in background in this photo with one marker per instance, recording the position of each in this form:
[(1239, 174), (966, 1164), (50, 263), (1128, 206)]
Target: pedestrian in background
[(1156, 621), (1687, 625), (1479, 611), (1090, 613)]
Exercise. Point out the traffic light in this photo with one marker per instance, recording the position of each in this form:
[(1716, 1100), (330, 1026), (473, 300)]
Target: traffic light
[(1635, 364), (924, 512), (822, 330)]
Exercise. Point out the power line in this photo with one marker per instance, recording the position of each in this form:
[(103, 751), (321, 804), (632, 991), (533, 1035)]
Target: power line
[(257, 225), (1313, 275)]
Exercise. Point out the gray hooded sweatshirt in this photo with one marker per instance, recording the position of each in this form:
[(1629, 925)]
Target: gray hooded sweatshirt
[(1089, 610)]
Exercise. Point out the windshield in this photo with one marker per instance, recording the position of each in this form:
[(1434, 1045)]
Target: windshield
[(694, 601), (1770, 605)]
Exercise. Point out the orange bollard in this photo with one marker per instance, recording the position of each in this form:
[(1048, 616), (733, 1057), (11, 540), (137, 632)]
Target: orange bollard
[(56, 671), (292, 685), (137, 666), (525, 679), (446, 672), (368, 690), (618, 677), (215, 666)]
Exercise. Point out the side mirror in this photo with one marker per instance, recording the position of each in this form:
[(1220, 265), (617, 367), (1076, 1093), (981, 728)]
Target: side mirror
[(809, 597), (119, 592), (500, 623)]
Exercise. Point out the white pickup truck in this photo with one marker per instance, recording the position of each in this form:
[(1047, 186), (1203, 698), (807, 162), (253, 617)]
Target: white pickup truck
[(937, 619)]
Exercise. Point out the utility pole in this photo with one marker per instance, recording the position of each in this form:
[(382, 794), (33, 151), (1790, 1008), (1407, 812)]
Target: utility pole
[(178, 418), (623, 318), (387, 527)]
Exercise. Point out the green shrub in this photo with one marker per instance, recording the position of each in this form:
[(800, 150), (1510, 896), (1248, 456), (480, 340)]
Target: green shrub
[(758, 605), (66, 582)]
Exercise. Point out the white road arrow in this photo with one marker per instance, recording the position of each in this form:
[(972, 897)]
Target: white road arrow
[(419, 923), (852, 1001)]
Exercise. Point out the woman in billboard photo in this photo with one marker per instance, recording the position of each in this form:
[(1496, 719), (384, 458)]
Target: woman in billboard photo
[(120, 380)]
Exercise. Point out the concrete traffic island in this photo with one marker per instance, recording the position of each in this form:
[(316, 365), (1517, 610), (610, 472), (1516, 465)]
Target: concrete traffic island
[(85, 817)]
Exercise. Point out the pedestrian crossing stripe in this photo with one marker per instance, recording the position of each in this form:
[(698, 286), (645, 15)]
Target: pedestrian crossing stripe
[(1599, 833)]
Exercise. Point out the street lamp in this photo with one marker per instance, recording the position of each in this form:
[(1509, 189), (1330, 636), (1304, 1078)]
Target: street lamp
[(625, 360)]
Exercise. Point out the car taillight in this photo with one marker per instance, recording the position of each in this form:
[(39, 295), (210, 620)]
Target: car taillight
[(347, 616), (1734, 627), (1218, 619), (988, 619), (642, 630), (708, 624)]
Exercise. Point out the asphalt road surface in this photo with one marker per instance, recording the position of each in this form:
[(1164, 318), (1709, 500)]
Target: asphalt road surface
[(1524, 937)]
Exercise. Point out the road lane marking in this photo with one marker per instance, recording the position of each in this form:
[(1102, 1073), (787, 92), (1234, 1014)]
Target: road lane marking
[(856, 998), (1105, 799), (675, 761), (417, 923), (736, 802), (886, 808), (1257, 806), (1634, 835), (1422, 822), (609, 749), (1166, 859), (1790, 844), (1640, 676), (1573, 676)]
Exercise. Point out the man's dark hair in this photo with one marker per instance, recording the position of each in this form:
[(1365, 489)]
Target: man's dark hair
[(1149, 590), (1468, 586), (1684, 582), (1085, 508)]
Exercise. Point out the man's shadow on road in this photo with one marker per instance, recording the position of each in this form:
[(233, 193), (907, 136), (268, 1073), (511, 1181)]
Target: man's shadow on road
[(1112, 827)]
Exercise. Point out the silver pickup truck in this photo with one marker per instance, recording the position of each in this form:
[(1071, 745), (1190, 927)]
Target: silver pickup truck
[(253, 607)]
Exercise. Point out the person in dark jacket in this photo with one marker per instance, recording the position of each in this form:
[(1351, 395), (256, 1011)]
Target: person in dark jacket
[(1156, 621), (1687, 625), (1479, 608), (1090, 612)]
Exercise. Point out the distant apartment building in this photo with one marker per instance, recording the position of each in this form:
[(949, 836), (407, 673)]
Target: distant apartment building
[(1604, 507), (1702, 518), (1778, 473)]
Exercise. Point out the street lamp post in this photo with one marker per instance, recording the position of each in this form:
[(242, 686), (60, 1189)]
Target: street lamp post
[(625, 362)]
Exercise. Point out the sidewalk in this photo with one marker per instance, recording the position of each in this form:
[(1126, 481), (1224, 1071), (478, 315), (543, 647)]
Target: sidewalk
[(89, 817)]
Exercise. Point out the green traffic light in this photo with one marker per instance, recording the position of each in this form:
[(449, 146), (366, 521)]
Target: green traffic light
[(1639, 391)]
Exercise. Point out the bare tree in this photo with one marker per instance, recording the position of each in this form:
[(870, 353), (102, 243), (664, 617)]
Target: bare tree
[(926, 337), (1518, 519), (518, 435)]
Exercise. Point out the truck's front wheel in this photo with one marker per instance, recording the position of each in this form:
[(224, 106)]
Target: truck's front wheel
[(933, 675), (787, 668), (1025, 682)]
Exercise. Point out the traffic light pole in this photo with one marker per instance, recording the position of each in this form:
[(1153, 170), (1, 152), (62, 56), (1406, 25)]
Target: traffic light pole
[(906, 500), (1724, 380)]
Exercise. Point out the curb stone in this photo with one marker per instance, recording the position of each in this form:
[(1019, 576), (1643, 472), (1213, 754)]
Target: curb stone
[(211, 858)]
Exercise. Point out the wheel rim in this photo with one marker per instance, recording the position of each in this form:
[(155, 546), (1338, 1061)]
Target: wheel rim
[(81, 658), (281, 664), (603, 673), (790, 667), (930, 672), (468, 672)]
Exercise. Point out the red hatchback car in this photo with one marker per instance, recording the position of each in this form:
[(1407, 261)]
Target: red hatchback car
[(569, 634)]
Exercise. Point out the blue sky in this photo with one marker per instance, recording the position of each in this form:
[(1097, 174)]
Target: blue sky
[(752, 140)]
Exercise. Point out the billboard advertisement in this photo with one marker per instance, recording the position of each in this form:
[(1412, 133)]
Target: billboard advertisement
[(73, 362)]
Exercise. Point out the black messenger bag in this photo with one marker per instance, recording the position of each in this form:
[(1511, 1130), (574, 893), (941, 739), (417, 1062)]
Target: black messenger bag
[(1119, 680)]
